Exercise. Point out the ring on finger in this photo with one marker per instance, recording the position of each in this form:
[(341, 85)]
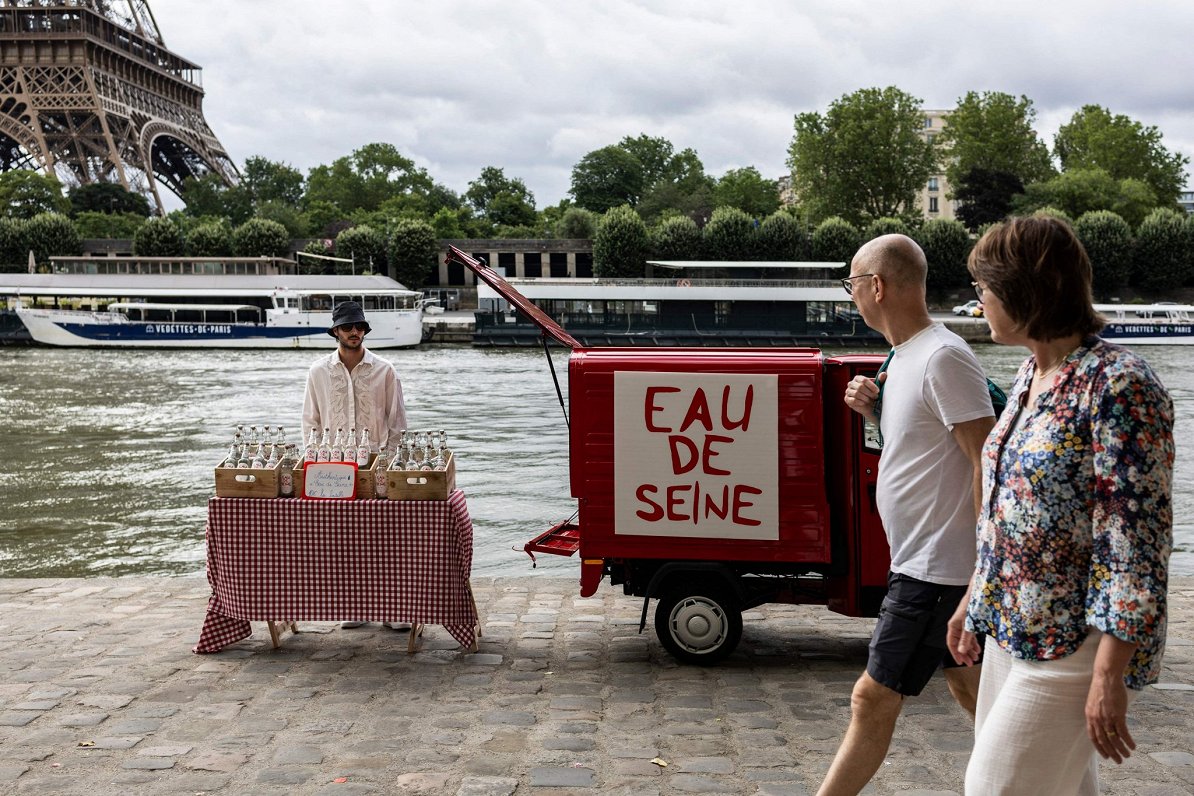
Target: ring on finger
[(1111, 733)]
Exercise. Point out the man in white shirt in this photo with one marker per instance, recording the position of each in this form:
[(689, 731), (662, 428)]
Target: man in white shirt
[(353, 389), (935, 416)]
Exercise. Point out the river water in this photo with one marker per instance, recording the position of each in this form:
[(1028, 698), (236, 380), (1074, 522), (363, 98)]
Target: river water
[(108, 455)]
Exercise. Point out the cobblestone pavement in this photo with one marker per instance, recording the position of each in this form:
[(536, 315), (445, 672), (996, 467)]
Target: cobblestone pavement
[(101, 695)]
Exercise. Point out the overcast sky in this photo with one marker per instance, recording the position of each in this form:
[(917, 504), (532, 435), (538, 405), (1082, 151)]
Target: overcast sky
[(531, 86)]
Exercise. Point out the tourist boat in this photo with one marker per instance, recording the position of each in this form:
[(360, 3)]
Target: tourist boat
[(232, 308), (1148, 324), (697, 304)]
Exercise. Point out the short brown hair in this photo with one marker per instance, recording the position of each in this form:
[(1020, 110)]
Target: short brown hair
[(1041, 274)]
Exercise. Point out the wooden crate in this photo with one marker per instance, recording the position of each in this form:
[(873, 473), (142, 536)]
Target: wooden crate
[(366, 483), (248, 483), (422, 484)]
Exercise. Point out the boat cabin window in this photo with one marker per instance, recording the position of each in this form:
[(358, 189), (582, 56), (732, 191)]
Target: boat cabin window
[(317, 302)]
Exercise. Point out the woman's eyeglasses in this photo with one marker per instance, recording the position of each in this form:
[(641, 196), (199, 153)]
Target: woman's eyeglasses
[(978, 290)]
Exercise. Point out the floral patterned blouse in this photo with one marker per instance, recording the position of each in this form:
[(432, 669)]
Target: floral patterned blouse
[(1077, 521)]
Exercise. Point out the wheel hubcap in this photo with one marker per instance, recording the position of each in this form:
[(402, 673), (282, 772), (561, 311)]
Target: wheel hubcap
[(698, 624)]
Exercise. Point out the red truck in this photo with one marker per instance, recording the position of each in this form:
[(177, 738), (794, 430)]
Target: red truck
[(715, 480)]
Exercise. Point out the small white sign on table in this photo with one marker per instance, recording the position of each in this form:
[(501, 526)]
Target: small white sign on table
[(330, 481)]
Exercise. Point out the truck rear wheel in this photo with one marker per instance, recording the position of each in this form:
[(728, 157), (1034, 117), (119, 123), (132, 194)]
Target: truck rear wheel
[(700, 624)]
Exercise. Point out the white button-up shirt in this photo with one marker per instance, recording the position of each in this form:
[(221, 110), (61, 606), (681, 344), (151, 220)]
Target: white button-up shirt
[(370, 397)]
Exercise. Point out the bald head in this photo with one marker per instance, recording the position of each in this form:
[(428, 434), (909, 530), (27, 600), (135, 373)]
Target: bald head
[(898, 258)]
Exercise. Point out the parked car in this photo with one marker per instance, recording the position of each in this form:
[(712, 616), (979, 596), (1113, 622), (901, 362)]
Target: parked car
[(971, 309)]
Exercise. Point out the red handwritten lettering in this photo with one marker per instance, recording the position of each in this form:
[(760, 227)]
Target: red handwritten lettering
[(650, 408)]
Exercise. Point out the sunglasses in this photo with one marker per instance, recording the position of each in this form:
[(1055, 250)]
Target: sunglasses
[(349, 327)]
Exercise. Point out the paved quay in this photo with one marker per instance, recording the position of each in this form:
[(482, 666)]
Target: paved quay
[(100, 694)]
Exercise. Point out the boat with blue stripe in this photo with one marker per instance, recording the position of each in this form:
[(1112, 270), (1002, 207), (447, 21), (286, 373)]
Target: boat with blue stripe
[(187, 307)]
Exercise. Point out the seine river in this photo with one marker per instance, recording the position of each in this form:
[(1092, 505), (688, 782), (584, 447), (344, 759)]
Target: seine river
[(108, 455)]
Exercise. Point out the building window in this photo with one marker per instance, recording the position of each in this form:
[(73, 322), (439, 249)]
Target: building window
[(933, 183), (928, 122), (930, 137), (932, 204)]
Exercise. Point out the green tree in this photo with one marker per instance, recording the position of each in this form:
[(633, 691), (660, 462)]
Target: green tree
[(93, 224), (449, 224), (211, 239), (607, 178), (748, 191), (159, 237), (294, 220), (887, 225), (1122, 147), (259, 237), (656, 157), (367, 178), (1107, 239), (985, 196), (52, 235), (730, 235), (782, 238), (684, 188), (106, 197), (621, 244), (577, 223), (207, 195), (993, 132), (676, 238), (14, 248), (25, 194), (1080, 191), (265, 180), (1162, 252), (835, 240), (864, 159), (500, 199), (365, 246), (413, 252), (946, 245)]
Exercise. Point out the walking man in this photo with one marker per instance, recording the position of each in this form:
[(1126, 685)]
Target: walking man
[(934, 416)]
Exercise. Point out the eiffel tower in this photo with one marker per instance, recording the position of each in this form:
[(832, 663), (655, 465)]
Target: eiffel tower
[(89, 93)]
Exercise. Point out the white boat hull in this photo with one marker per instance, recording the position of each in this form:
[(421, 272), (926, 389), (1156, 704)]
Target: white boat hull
[(390, 329)]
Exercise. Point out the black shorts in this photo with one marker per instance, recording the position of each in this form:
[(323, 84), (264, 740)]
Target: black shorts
[(908, 644)]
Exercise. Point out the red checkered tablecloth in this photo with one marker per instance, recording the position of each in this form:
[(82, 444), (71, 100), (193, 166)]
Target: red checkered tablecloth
[(331, 560)]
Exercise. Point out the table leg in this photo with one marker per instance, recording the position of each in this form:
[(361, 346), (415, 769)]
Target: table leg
[(473, 601), (276, 629), (416, 631)]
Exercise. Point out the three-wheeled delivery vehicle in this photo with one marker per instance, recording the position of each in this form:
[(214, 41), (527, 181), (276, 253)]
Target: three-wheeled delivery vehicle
[(715, 480)]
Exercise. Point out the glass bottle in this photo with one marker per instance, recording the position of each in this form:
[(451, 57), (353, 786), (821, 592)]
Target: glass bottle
[(379, 474), (426, 463), (444, 450), (286, 475), (337, 454), (275, 456), (254, 441), (233, 456), (411, 462), (350, 445), (362, 451), (312, 452), (244, 460), (325, 446)]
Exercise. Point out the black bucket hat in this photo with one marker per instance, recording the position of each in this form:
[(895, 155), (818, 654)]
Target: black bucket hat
[(348, 312)]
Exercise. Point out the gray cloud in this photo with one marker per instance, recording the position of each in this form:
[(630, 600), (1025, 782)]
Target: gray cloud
[(532, 85)]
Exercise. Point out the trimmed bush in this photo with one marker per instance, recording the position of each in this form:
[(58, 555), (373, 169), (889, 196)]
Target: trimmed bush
[(620, 244), (946, 245), (835, 240), (259, 237), (52, 235), (413, 252), (212, 239), (782, 239), (159, 237), (730, 235), (676, 238), (1107, 239), (1162, 255), (366, 247)]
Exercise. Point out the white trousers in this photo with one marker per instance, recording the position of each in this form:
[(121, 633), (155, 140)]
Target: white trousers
[(1030, 725)]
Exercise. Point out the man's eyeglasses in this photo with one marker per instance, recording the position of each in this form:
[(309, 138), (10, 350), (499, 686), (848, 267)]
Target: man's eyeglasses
[(978, 290), (849, 285), (350, 327)]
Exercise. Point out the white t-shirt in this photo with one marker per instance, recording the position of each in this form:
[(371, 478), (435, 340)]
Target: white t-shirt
[(924, 492)]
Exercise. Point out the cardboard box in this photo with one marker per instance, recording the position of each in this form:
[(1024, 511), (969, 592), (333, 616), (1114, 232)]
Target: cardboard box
[(422, 484), (366, 479), (247, 482)]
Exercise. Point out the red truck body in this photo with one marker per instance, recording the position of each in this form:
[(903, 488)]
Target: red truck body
[(716, 480)]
